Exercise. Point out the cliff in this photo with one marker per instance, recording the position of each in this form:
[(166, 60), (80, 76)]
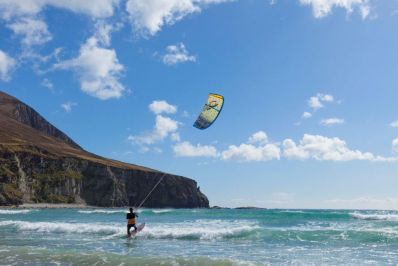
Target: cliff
[(41, 164)]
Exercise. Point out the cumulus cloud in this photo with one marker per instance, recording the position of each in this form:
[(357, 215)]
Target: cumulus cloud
[(98, 69), (23, 17), (306, 115), (176, 54), (395, 145), (249, 152), (258, 137), (331, 121), (164, 127), (394, 123), (322, 8), (186, 149), (32, 31), (7, 64), (148, 17), (68, 106), (324, 149), (48, 84), (314, 147), (257, 149), (316, 102), (94, 8), (159, 107)]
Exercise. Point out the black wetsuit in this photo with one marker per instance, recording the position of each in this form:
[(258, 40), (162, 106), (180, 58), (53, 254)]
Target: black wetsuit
[(131, 221)]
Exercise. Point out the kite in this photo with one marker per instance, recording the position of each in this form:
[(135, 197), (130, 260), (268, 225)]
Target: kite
[(210, 111)]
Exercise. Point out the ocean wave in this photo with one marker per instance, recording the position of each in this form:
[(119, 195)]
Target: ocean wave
[(200, 230), (161, 211), (62, 227), (26, 256), (102, 211), (112, 211), (15, 211), (383, 217)]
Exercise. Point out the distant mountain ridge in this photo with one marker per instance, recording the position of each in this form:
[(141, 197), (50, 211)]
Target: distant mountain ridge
[(21, 112), (41, 164)]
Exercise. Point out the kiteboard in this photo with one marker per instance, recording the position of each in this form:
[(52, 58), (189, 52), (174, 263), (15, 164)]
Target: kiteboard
[(139, 229)]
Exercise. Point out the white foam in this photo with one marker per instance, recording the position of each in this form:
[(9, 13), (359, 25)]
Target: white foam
[(15, 211), (102, 211), (161, 211), (62, 227), (292, 211), (385, 217), (201, 229)]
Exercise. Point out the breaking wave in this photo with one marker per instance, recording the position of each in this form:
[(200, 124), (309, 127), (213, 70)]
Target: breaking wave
[(61, 227), (102, 211), (383, 217), (15, 211), (162, 211), (200, 230)]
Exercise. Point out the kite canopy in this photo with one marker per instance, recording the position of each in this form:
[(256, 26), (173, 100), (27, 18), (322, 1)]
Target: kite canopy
[(210, 111)]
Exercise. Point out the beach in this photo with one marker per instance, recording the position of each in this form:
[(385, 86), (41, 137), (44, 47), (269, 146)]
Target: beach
[(87, 236)]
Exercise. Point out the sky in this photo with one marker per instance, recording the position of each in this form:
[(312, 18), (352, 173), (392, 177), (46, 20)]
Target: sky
[(310, 117)]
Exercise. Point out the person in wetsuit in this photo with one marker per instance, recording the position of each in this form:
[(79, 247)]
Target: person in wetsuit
[(131, 221)]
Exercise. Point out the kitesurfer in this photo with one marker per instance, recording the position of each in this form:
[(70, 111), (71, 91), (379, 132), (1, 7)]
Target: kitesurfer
[(131, 221)]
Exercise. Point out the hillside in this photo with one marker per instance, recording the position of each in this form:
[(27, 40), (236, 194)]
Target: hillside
[(41, 164)]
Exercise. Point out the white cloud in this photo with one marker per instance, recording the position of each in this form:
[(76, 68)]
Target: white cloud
[(306, 115), (175, 137), (94, 8), (258, 137), (164, 127), (331, 121), (324, 149), (186, 149), (395, 145), (98, 69), (7, 64), (24, 19), (149, 16), (394, 123), (32, 31), (48, 84), (249, 152), (316, 102), (68, 106), (103, 33), (176, 54), (257, 149), (159, 107), (322, 8)]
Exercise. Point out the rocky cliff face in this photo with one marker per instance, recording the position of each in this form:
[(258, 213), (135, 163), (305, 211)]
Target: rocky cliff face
[(39, 163)]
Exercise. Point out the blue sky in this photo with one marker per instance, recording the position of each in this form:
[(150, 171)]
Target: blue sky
[(310, 89)]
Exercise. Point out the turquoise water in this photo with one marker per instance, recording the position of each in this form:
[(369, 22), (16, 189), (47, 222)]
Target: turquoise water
[(199, 237)]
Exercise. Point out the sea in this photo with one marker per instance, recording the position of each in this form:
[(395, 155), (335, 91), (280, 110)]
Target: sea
[(199, 237)]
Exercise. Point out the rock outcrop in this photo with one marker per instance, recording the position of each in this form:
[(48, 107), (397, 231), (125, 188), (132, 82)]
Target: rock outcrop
[(41, 164)]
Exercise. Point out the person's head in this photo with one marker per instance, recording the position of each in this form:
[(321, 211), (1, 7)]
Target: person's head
[(131, 209)]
